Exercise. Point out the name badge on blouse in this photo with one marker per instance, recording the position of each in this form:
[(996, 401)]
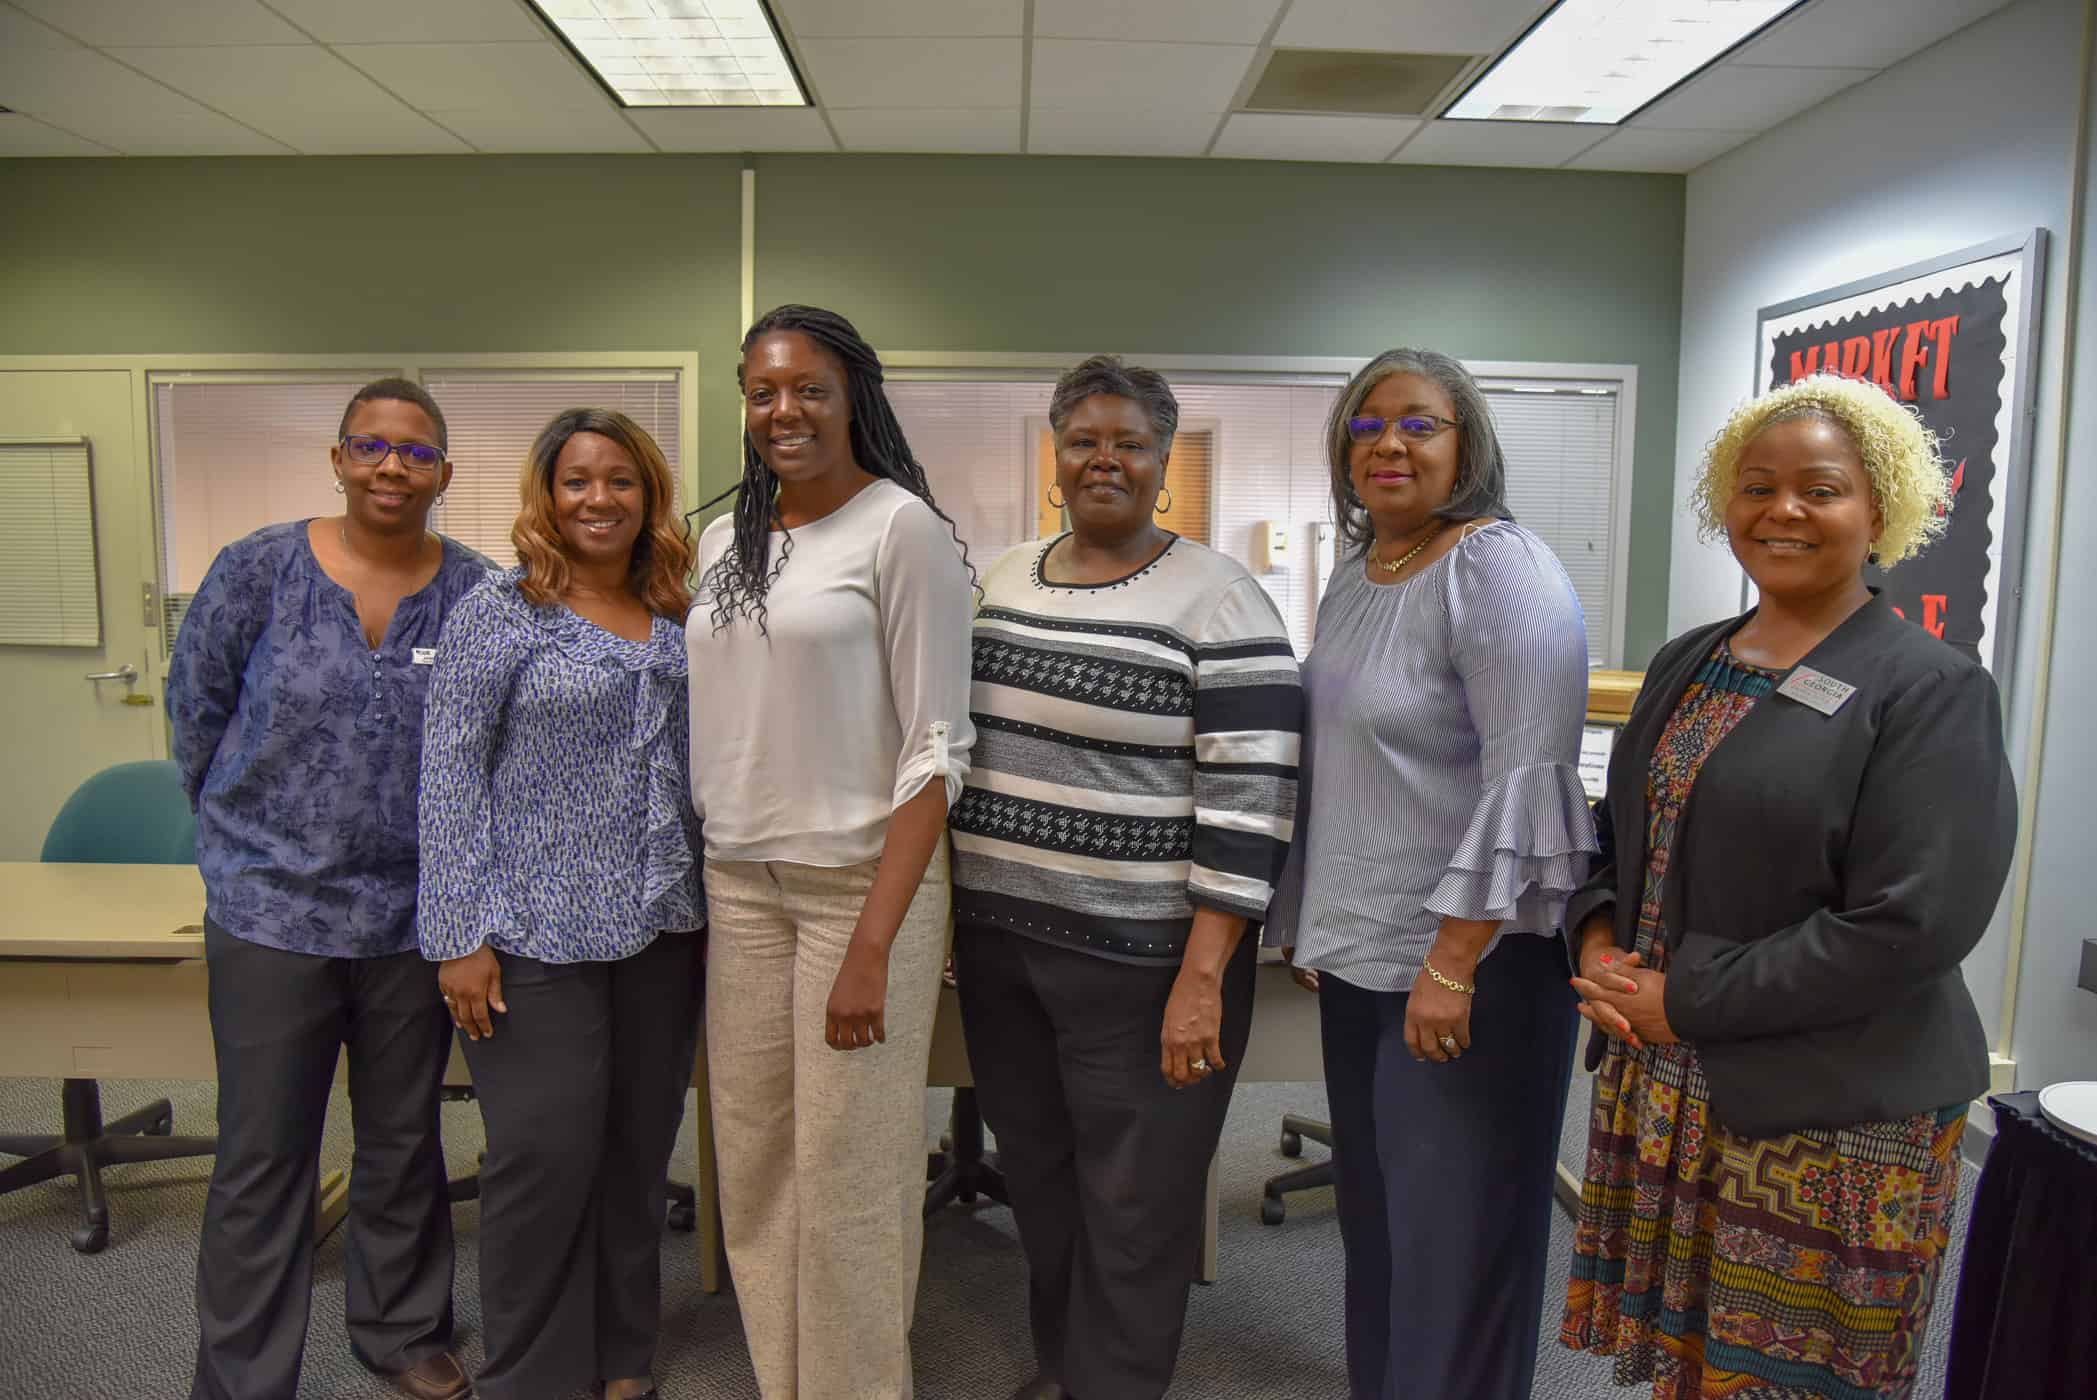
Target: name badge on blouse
[(425, 656), (1816, 691)]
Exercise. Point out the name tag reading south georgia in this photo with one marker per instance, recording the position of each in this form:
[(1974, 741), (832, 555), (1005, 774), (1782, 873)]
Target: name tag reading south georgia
[(1816, 691), (425, 656)]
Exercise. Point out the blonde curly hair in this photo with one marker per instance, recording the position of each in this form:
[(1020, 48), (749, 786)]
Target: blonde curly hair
[(1908, 482)]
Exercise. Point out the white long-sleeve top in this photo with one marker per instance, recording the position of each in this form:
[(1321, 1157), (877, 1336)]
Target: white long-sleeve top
[(808, 735)]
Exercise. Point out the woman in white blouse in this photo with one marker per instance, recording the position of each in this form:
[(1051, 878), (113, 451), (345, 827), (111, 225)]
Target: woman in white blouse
[(829, 649)]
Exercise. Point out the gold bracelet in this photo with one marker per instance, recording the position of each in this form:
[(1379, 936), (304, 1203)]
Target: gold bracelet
[(1450, 982)]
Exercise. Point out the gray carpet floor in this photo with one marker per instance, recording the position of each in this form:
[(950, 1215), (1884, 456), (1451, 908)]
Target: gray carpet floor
[(120, 1324)]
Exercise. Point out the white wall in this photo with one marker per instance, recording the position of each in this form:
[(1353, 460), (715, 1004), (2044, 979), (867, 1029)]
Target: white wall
[(2056, 1035), (1967, 141)]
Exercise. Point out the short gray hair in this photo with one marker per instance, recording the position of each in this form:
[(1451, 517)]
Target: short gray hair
[(1106, 374), (1481, 468)]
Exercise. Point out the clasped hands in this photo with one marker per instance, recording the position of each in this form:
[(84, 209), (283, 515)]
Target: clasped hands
[(1619, 995)]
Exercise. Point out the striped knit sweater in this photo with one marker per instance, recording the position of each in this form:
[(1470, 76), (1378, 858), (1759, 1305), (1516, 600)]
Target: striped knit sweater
[(1135, 754)]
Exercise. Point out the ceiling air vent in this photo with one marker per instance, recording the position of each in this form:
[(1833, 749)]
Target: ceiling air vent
[(1338, 80)]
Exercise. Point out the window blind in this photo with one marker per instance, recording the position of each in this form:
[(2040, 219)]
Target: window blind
[(492, 419), (234, 457), (1561, 479), (50, 594), (973, 440)]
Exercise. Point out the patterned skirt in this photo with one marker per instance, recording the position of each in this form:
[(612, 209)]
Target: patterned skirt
[(1791, 1268)]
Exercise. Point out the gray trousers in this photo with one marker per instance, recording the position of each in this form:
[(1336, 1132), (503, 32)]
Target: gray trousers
[(1106, 1162), (582, 1088), (279, 1021)]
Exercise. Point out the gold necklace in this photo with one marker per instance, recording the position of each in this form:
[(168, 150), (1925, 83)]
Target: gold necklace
[(1410, 554)]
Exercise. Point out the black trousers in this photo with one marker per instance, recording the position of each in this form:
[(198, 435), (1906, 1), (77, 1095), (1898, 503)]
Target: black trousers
[(278, 1023), (1106, 1162), (1443, 1176), (582, 1088)]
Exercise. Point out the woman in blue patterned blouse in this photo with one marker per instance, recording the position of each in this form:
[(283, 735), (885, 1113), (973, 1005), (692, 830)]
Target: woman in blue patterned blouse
[(295, 697), (560, 890)]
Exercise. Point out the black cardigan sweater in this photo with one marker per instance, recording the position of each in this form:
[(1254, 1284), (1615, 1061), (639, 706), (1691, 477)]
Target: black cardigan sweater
[(1828, 874)]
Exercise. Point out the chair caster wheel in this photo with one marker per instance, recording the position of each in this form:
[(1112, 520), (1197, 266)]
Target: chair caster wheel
[(1272, 1211), (685, 1218), (161, 1127), (92, 1238), (1292, 1144)]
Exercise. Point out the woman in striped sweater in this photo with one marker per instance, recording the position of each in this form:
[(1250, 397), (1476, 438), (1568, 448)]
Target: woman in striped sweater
[(1128, 809)]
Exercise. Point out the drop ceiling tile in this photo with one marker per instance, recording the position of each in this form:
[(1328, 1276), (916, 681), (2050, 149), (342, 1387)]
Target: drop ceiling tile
[(304, 96), (734, 128), (1536, 144), (907, 72), (1100, 131), (26, 136), (19, 33), (1074, 73), (456, 77), (946, 19), (539, 129), (1741, 97), (967, 130), (1676, 152), (1861, 33), (411, 21), (1266, 136), (114, 23), (94, 96), (1407, 26), (1183, 21)]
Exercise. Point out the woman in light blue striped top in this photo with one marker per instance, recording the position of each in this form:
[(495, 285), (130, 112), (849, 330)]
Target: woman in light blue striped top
[(560, 890), (1440, 819)]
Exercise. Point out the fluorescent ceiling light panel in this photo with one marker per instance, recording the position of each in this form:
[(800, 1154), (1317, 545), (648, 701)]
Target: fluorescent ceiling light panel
[(680, 53), (1602, 60)]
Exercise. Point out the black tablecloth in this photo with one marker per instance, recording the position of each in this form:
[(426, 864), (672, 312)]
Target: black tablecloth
[(2026, 1323)]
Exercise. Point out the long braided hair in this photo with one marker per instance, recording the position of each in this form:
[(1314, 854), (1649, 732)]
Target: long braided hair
[(742, 576)]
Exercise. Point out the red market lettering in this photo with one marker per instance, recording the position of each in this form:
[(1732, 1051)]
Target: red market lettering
[(1934, 606), (1923, 344)]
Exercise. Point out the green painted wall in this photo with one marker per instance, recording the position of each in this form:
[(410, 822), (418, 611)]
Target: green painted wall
[(1253, 258), (494, 253), (388, 254)]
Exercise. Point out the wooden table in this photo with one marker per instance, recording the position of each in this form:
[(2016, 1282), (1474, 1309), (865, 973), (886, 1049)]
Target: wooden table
[(105, 979)]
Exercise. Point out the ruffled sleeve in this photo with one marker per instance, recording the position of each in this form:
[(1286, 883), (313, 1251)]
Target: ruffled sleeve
[(1519, 644), (670, 896)]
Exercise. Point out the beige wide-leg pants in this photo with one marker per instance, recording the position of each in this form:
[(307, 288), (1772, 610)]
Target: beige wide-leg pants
[(821, 1151)]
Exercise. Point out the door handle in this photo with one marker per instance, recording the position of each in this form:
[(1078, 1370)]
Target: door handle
[(127, 673)]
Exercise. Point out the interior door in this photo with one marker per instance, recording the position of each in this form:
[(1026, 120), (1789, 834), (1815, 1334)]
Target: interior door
[(63, 726)]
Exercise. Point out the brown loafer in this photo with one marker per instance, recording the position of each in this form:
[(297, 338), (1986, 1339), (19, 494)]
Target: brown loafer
[(438, 1377)]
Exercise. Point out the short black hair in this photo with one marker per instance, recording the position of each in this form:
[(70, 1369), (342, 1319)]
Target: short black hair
[(1106, 374), (403, 391)]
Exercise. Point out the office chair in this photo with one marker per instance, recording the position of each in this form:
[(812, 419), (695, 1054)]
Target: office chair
[(961, 1170), (1310, 1178), (132, 814)]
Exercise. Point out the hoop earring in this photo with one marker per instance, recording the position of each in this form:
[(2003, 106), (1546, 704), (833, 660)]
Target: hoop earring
[(339, 488), (1159, 508), (1054, 503)]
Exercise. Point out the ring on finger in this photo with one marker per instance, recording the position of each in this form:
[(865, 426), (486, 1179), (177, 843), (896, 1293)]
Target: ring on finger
[(1448, 1044), (1200, 1066)]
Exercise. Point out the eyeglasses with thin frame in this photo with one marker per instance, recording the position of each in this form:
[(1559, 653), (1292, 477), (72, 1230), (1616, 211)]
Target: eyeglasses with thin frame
[(368, 451), (1413, 427)]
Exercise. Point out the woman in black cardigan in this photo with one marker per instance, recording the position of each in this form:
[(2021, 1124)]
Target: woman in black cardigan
[(1772, 942)]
